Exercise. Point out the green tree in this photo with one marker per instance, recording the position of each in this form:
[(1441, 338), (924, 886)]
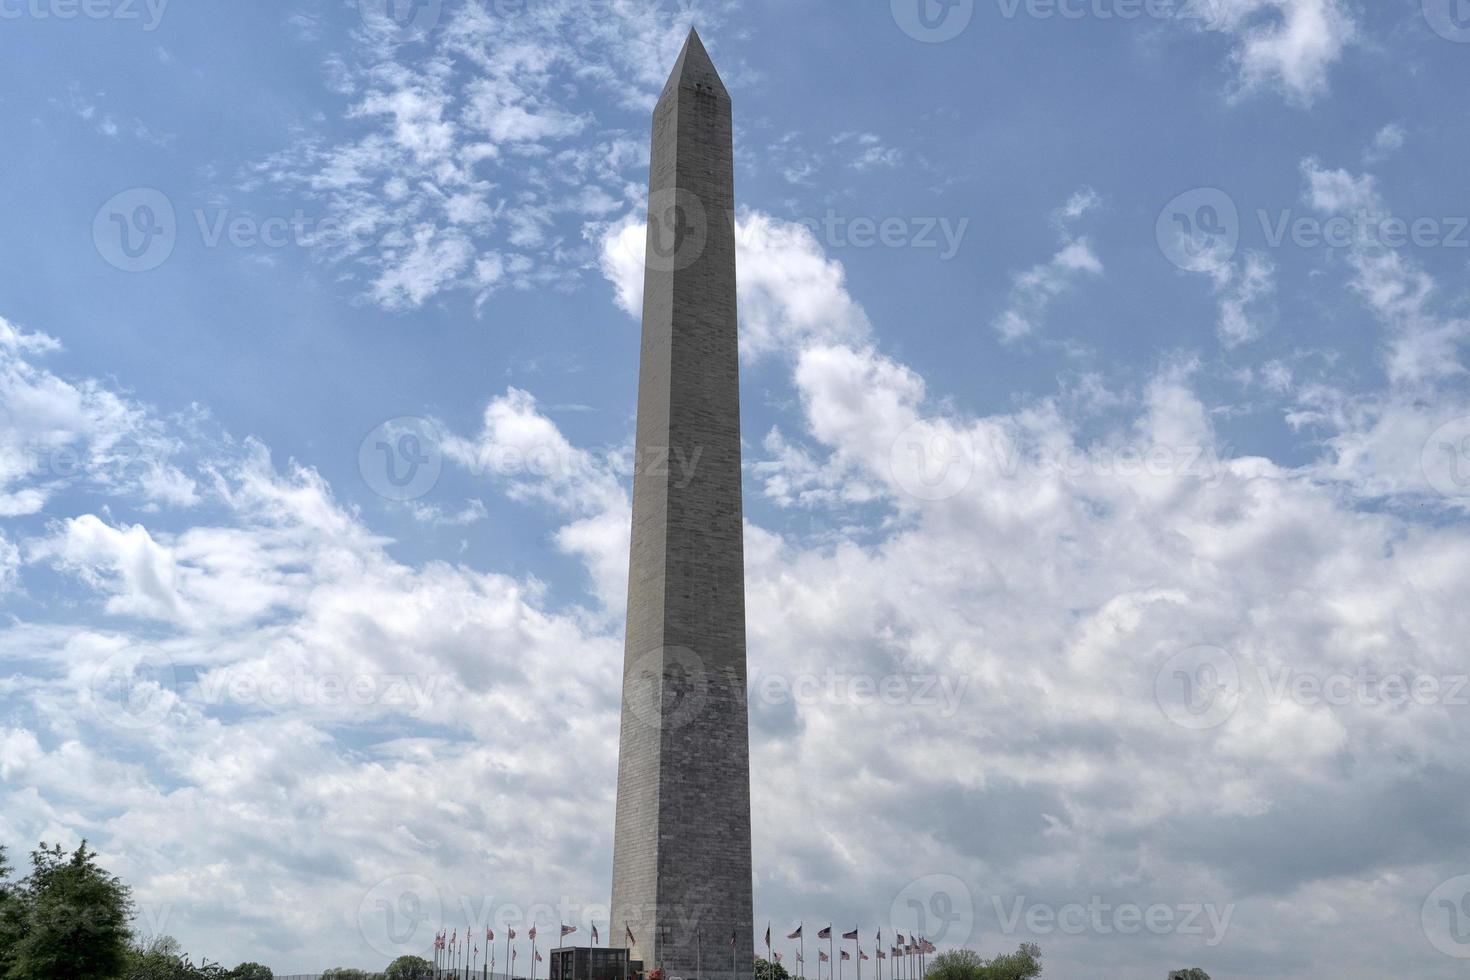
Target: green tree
[(956, 964), (1023, 964), (343, 973), (1193, 973), (161, 958), (766, 970), (73, 920), (12, 915), (409, 968), (966, 964), (251, 971)]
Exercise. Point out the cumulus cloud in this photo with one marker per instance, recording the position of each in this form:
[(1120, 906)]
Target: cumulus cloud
[(1290, 45), (1017, 587), (56, 432), (790, 293)]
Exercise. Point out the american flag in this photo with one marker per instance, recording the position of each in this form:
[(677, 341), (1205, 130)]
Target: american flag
[(512, 933), (538, 957), (796, 934), (489, 935), (881, 955), (567, 931), (629, 931), (850, 935), (594, 935), (845, 955), (823, 957), (532, 934), (825, 933), (900, 939), (862, 955)]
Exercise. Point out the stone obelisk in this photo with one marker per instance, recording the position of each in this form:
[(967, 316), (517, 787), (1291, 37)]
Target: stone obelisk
[(681, 846)]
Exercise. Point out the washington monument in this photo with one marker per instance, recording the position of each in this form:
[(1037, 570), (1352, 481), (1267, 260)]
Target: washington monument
[(681, 846)]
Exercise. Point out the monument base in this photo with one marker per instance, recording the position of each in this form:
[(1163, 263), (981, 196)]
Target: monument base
[(593, 963)]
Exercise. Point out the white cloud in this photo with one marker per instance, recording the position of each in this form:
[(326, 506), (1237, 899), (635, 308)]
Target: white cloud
[(790, 293), (475, 145), (1042, 597), (1035, 289), (1386, 142), (55, 432), (1287, 44)]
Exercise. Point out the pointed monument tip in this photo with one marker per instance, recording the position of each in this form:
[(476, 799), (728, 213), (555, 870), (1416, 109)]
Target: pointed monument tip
[(694, 69)]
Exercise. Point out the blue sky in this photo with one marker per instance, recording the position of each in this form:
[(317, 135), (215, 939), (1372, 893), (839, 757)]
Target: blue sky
[(1156, 371)]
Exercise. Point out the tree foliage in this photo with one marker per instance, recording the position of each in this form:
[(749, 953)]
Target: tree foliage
[(67, 920), (409, 968), (1193, 973), (766, 970), (251, 971), (966, 964)]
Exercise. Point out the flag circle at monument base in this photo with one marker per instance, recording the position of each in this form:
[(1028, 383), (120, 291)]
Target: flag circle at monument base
[(134, 688), (667, 687), (399, 915)]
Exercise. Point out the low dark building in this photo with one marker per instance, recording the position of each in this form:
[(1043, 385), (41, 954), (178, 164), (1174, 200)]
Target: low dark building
[(593, 963)]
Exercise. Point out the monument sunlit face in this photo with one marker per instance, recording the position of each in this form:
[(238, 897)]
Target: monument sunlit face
[(682, 844)]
